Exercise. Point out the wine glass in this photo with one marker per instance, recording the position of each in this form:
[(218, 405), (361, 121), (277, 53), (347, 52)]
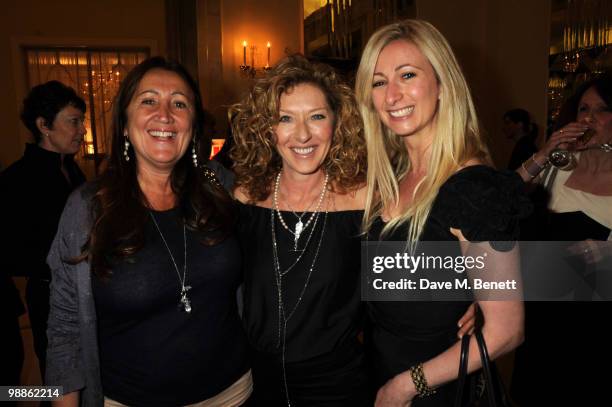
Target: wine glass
[(563, 158)]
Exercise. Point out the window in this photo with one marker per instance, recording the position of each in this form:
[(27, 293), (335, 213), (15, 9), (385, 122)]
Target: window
[(95, 73)]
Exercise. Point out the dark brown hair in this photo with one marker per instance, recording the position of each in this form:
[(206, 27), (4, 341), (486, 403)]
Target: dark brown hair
[(253, 120), (119, 205), (47, 100), (569, 111)]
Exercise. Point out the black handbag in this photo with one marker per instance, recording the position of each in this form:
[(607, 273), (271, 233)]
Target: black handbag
[(483, 388)]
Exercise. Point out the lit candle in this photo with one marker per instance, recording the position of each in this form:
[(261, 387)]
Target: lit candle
[(244, 45), (268, 64)]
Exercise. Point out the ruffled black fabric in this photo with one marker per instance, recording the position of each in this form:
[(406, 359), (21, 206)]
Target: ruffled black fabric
[(485, 204)]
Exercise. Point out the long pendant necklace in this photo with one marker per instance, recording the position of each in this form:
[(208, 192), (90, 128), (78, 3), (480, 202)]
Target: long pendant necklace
[(299, 226), (283, 315), (184, 301)]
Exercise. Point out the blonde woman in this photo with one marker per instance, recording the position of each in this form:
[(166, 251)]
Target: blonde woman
[(429, 179)]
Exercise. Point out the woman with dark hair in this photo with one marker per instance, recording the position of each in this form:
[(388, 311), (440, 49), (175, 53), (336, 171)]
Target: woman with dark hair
[(519, 128), (145, 265), (581, 192), (579, 202), (300, 161), (34, 191)]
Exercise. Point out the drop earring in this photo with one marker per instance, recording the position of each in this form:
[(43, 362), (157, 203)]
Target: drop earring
[(126, 147), (194, 155)]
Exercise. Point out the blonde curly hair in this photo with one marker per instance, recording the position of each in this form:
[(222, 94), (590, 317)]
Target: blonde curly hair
[(256, 160)]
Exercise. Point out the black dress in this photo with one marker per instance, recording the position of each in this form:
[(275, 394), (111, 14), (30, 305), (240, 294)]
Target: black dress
[(485, 205), (324, 363)]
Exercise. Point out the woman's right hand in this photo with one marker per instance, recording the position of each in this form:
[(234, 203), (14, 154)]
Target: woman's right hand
[(68, 400), (561, 138)]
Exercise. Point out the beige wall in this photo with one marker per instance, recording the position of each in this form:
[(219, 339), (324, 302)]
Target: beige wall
[(72, 22), (503, 49), (230, 22)]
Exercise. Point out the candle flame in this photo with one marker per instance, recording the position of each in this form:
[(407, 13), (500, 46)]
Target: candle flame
[(244, 43), (268, 44)]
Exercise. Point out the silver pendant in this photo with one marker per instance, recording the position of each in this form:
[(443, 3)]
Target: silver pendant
[(299, 227), (185, 300)]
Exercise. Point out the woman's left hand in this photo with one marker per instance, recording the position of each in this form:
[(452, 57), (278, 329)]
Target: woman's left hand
[(395, 393)]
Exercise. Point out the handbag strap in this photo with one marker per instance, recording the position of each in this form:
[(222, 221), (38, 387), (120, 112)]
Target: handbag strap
[(493, 384), (486, 368), (463, 367)]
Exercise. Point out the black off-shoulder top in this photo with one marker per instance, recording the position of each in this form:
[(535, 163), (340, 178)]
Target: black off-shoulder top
[(485, 205)]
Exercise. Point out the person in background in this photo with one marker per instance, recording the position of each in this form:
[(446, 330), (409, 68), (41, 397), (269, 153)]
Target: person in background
[(34, 191), (145, 263), (11, 352), (429, 179), (580, 195), (519, 128), (579, 204)]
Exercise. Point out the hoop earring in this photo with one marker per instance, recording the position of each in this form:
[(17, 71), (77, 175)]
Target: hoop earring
[(194, 155), (126, 147)]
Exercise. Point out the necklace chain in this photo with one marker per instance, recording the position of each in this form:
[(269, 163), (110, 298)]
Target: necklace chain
[(299, 226), (283, 317), (184, 301)]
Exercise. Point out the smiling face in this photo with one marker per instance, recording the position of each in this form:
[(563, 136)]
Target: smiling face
[(305, 128), (66, 133), (160, 120), (593, 111), (405, 89)]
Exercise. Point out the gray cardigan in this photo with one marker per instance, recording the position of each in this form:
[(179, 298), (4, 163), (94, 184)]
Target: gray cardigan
[(72, 352)]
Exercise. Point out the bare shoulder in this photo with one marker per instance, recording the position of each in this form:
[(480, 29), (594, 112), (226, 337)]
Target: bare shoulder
[(241, 195), (351, 201)]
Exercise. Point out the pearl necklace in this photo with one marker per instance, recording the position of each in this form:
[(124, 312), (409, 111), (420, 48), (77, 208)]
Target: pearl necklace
[(299, 226)]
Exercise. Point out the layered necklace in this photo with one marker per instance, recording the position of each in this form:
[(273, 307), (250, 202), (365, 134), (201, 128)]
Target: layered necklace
[(299, 225), (184, 301), (285, 313)]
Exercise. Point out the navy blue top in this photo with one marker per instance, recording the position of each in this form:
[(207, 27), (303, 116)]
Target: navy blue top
[(151, 352)]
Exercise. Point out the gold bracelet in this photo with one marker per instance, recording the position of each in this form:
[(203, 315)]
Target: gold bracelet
[(420, 383)]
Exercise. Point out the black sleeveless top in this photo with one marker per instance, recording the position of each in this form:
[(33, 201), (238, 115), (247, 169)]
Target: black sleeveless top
[(485, 205), (329, 314)]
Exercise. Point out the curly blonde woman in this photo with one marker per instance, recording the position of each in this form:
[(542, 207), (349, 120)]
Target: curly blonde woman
[(429, 179), (300, 175)]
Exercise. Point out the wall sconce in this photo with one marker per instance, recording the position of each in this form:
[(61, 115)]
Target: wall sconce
[(250, 70)]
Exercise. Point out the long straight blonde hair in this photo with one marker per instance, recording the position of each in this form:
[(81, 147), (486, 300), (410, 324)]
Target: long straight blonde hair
[(456, 140)]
